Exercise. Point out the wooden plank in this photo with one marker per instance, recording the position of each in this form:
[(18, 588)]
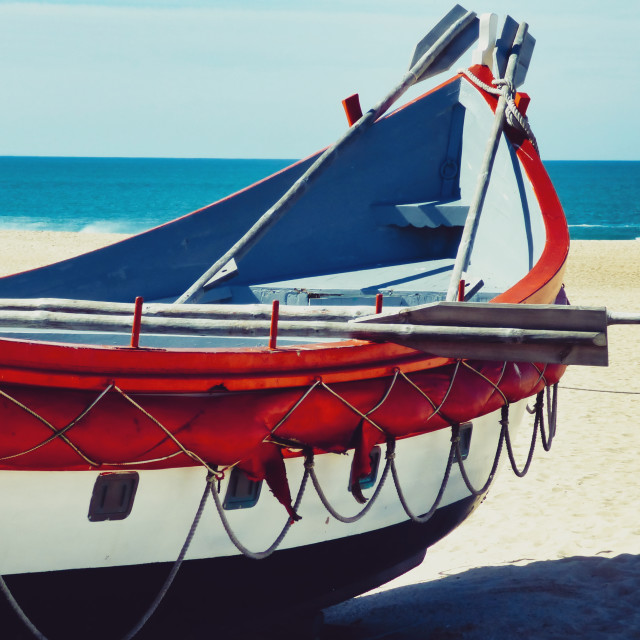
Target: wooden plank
[(540, 352), (487, 314), (465, 248), (469, 314), (491, 343), (614, 317), (210, 311)]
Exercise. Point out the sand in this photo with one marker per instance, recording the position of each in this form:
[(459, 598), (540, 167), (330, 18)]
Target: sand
[(23, 250), (553, 555), (557, 553)]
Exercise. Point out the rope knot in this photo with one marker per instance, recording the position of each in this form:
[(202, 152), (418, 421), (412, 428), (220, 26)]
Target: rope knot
[(506, 87), (215, 475)]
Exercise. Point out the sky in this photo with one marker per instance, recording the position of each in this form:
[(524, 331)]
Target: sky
[(265, 78)]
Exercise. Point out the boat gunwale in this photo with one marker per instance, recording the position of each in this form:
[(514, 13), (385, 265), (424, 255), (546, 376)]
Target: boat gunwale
[(147, 369)]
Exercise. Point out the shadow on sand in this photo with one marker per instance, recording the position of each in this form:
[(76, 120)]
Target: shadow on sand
[(577, 597)]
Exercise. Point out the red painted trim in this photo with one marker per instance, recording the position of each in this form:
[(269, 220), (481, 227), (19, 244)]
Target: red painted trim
[(352, 109), (187, 371), (542, 283)]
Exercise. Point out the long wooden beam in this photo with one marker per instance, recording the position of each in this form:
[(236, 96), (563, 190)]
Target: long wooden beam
[(491, 343)]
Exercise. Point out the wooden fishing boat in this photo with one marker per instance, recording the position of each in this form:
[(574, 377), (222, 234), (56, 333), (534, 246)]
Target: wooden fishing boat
[(360, 353)]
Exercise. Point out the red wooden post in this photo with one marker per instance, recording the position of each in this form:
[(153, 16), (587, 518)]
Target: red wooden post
[(137, 318), (522, 101), (273, 333), (352, 108), (378, 303), (461, 291)]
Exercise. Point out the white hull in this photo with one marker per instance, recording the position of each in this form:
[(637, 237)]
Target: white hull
[(45, 524)]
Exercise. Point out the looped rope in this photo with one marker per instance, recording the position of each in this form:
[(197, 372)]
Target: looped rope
[(463, 472), (455, 440), (157, 600), (215, 474), (310, 467), (552, 417), (258, 555), (507, 90), (534, 436), (309, 471)]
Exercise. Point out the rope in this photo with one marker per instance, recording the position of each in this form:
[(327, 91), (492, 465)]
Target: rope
[(627, 393), (463, 472), (503, 88), (310, 472), (493, 384), (455, 439), (257, 555), (552, 417), (157, 600), (176, 565), (57, 434), (187, 452), (19, 612), (534, 436), (309, 466)]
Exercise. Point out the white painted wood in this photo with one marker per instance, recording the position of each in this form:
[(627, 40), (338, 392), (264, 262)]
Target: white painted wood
[(470, 230), (44, 524), (483, 54)]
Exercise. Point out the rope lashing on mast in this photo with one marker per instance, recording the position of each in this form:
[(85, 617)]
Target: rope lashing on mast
[(502, 87)]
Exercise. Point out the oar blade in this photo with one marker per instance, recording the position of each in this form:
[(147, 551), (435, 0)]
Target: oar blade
[(504, 45), (586, 355), (452, 52), (524, 59), (536, 318)]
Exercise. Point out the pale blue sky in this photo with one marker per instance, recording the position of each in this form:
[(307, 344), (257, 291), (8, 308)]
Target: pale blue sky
[(224, 78)]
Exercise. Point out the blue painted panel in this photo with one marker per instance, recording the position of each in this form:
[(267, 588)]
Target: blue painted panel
[(331, 229), (389, 202)]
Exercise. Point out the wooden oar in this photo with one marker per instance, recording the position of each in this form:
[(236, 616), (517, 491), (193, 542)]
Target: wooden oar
[(526, 333), (489, 343), (475, 209), (443, 47), (208, 311)]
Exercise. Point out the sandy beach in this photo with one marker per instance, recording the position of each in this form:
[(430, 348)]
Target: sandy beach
[(553, 555), (557, 553)]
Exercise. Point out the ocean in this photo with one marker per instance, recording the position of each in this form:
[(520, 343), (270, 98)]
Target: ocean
[(601, 199)]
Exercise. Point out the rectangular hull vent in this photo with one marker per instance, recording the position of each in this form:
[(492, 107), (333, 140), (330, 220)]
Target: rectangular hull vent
[(113, 495)]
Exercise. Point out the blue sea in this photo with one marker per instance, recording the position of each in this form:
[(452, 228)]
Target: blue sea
[(127, 195)]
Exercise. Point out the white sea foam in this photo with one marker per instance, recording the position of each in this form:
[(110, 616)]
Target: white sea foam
[(102, 226)]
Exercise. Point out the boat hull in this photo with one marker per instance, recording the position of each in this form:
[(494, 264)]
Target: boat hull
[(223, 593)]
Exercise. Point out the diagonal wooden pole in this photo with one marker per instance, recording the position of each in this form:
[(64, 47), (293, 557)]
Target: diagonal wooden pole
[(417, 72), (475, 209)]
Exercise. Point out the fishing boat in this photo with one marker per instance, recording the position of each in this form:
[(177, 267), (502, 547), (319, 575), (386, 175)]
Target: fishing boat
[(296, 423)]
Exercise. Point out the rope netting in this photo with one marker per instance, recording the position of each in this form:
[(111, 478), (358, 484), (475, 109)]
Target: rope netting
[(215, 474)]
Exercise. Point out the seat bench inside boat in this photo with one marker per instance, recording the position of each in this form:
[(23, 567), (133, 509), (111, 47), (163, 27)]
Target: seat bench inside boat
[(401, 285)]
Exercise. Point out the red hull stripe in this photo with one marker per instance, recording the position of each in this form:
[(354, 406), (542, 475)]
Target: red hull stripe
[(228, 406)]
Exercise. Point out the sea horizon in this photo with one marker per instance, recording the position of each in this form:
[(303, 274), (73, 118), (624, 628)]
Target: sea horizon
[(111, 194)]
